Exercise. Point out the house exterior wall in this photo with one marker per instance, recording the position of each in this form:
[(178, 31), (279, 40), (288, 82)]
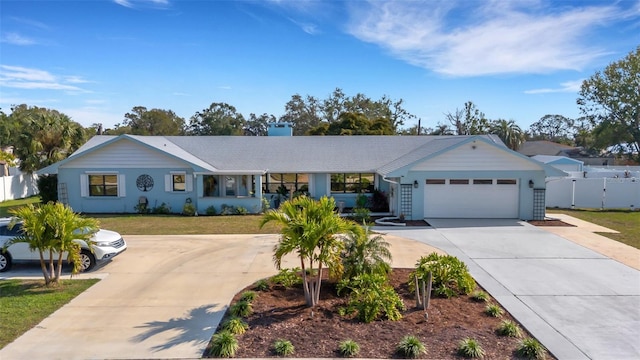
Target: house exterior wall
[(125, 155), (129, 160), (477, 160), (130, 196)]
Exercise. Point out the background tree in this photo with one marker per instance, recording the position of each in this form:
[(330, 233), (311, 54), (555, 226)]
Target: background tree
[(610, 99), (556, 128), (442, 129), (141, 121), (309, 113), (217, 119), (469, 120), (310, 228), (46, 136), (354, 124), (9, 130), (509, 132), (258, 125), (303, 113), (51, 229)]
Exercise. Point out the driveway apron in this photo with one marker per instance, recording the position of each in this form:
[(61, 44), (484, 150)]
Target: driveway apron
[(578, 303), (162, 298)]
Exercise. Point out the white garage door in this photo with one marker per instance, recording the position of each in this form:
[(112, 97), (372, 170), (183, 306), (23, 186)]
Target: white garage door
[(471, 198)]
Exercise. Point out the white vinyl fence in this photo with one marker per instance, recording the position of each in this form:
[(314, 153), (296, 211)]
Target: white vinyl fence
[(598, 193), (18, 186)]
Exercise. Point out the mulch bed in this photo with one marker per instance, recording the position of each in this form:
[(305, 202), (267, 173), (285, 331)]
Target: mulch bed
[(549, 222), (281, 313)]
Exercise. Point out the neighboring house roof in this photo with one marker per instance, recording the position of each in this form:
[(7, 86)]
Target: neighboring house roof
[(544, 147), (549, 159), (288, 154)]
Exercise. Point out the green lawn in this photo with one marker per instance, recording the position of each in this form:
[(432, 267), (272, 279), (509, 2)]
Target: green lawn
[(176, 224), (25, 303), (625, 221), (5, 206)]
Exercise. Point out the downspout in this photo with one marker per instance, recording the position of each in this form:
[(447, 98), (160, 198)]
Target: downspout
[(384, 178)]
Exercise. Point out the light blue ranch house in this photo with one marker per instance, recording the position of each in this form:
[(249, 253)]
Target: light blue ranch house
[(417, 177)]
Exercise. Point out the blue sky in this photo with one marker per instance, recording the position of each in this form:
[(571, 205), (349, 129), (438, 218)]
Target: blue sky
[(96, 60)]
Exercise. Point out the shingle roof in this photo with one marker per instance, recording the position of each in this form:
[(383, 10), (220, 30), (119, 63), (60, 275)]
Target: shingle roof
[(543, 147), (301, 154)]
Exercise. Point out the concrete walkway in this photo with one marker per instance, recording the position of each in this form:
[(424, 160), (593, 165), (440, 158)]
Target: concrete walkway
[(579, 303)]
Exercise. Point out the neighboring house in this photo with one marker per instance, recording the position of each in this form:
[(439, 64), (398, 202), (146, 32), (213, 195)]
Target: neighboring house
[(421, 176), (550, 148), (560, 162), (544, 147)]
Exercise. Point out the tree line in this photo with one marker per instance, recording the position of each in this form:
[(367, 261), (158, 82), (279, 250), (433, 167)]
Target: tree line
[(609, 102)]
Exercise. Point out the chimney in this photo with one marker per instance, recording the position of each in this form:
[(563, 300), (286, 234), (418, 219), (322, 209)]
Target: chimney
[(280, 129)]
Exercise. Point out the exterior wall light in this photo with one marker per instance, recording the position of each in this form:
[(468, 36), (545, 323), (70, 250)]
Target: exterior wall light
[(531, 184), (415, 184)]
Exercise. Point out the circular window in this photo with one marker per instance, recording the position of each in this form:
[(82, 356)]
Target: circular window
[(144, 182)]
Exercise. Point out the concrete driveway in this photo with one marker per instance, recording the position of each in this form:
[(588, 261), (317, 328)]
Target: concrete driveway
[(578, 303), (161, 299)]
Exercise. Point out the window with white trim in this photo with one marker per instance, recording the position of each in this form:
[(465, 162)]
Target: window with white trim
[(99, 184), (352, 182), (178, 181)]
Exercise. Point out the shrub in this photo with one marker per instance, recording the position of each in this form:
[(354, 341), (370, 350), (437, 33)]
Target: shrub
[(189, 209), (287, 277), (480, 296), (47, 188), (509, 328), (227, 209), (349, 348), (372, 297), (283, 347), (450, 276), (411, 347), (530, 348), (379, 201), (261, 285), (162, 209), (248, 296), (361, 215), (241, 210), (241, 309), (211, 210), (224, 344), (235, 325), (365, 253), (470, 348), (493, 310), (142, 208)]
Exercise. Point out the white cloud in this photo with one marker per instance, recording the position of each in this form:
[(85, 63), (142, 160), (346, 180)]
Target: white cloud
[(131, 3), (19, 77), (471, 38), (16, 39), (568, 86)]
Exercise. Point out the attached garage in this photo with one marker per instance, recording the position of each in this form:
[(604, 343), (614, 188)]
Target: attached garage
[(471, 198)]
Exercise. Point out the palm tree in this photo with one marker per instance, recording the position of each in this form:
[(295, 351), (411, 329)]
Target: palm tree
[(509, 132), (365, 253), (54, 228), (311, 229), (46, 137)]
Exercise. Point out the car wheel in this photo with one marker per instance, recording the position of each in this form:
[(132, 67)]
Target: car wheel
[(87, 260), (5, 261)]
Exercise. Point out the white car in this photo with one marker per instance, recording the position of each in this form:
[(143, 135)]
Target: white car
[(107, 245)]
